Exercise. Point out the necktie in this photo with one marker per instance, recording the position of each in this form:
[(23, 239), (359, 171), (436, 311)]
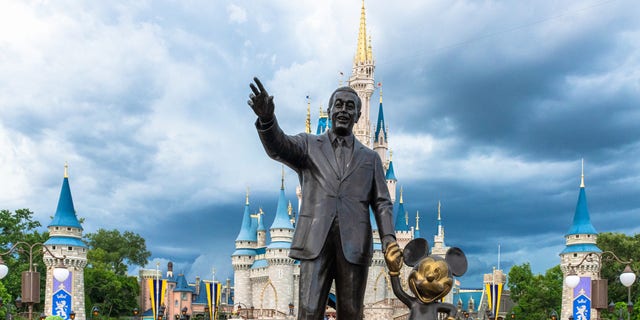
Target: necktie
[(341, 154)]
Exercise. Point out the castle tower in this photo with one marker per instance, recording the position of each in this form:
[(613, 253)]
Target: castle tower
[(243, 257), (261, 231), (361, 80), (65, 239), (494, 284), (390, 176), (580, 241), (380, 144), (439, 248), (404, 233), (280, 292)]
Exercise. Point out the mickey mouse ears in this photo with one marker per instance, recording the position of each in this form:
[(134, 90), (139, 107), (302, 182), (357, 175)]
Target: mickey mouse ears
[(457, 261), (414, 251)]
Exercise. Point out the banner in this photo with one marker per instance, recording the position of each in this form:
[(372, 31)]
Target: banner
[(156, 290), (582, 299), (61, 299), (213, 298), (494, 293)]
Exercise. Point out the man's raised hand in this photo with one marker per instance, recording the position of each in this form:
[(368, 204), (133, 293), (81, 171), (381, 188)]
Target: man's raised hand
[(260, 101)]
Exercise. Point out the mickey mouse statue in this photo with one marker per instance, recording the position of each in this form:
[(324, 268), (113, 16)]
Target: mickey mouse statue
[(430, 280)]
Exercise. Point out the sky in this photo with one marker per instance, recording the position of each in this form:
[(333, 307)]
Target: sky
[(490, 107)]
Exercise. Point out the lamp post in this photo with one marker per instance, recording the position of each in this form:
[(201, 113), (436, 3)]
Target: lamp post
[(620, 311), (627, 277), (31, 278), (135, 312), (183, 314), (553, 315), (95, 312), (72, 315)]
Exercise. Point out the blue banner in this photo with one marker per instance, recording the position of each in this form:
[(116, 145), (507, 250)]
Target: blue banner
[(61, 300), (582, 300)]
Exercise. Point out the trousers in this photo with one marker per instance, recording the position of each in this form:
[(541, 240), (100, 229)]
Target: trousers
[(318, 274)]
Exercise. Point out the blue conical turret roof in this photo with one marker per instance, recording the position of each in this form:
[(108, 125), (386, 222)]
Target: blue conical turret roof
[(246, 233), (282, 220), (581, 220), (401, 216), (381, 130), (390, 173), (65, 213), (260, 226)]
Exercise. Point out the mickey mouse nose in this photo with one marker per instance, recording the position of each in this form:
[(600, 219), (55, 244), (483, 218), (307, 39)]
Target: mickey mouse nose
[(431, 277)]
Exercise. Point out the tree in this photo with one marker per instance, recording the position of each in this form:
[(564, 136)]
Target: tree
[(116, 294), (626, 248), (115, 251), (535, 296), (106, 281), (20, 226)]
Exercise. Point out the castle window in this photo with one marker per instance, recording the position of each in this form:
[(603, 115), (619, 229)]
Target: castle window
[(183, 296), (57, 228), (53, 247), (68, 229), (70, 248)]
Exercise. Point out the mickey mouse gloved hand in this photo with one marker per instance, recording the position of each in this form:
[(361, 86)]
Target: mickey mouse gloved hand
[(393, 257)]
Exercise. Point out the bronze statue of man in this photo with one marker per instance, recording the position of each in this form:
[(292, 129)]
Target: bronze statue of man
[(341, 180)]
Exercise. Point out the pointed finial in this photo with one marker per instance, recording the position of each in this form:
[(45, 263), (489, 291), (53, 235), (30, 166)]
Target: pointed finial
[(390, 155), (417, 220), (66, 169), (361, 53), (380, 86), (289, 208), (582, 176), (307, 123), (401, 201), (282, 186), (406, 217), (439, 211), (247, 197)]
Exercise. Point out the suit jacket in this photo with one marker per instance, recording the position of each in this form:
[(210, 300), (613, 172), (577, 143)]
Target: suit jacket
[(327, 194)]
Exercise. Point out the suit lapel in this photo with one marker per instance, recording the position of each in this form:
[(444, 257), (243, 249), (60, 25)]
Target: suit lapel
[(357, 156), (327, 151)]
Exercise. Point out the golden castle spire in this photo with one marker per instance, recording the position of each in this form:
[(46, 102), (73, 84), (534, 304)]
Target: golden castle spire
[(401, 201), (364, 52), (417, 220), (66, 169)]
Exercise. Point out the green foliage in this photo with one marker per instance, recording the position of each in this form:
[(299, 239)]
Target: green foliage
[(625, 248), (54, 318), (535, 296), (112, 250), (6, 299), (114, 294), (19, 226), (107, 284)]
